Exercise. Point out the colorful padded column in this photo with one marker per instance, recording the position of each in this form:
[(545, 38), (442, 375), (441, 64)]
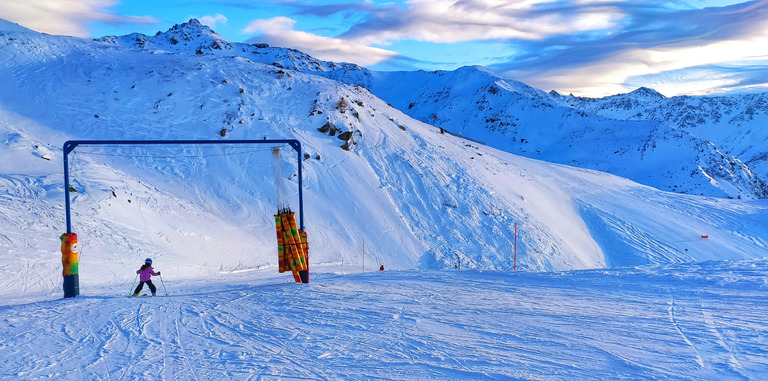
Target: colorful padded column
[(294, 240), (70, 261), (281, 265), (292, 247)]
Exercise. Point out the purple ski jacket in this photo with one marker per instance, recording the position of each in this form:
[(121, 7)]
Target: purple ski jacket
[(146, 274)]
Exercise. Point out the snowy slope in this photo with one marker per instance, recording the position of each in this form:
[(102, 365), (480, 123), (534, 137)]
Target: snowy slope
[(509, 115), (736, 123), (684, 322), (401, 193)]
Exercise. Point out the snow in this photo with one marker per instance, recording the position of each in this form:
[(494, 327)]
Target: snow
[(12, 27), (614, 281), (717, 150), (736, 123), (688, 322)]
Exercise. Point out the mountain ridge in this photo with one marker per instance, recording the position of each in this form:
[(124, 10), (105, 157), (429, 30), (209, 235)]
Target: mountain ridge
[(719, 172), (735, 123), (513, 117), (193, 37)]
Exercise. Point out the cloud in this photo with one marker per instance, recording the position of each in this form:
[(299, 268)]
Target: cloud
[(709, 79), (434, 21), (211, 21), (650, 42), (279, 31), (64, 17), (471, 20), (589, 47)]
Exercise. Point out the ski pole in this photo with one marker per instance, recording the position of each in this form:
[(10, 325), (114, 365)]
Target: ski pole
[(163, 283), (133, 284)]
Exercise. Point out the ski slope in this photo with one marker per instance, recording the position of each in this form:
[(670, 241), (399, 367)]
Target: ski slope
[(684, 322), (653, 299)]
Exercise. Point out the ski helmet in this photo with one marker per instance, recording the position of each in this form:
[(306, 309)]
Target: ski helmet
[(148, 261)]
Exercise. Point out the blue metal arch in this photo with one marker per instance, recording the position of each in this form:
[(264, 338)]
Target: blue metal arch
[(70, 145)]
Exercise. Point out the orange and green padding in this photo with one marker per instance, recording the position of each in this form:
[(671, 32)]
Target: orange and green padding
[(292, 246)]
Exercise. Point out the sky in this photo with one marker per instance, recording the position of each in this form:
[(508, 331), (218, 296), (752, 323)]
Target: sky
[(584, 47)]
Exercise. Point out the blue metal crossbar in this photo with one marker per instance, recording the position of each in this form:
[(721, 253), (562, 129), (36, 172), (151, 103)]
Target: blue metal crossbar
[(71, 144)]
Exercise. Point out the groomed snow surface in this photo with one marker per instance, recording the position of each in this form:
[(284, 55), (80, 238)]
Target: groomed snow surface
[(688, 322)]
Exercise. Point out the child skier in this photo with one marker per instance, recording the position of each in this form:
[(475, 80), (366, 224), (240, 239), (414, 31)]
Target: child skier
[(145, 274)]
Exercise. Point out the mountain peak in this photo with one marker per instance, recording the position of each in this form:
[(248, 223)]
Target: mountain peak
[(646, 93), (191, 26), (194, 34), (192, 37)]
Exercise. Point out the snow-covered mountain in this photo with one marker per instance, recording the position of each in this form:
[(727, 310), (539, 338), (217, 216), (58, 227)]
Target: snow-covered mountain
[(478, 104), (378, 184), (737, 124), (509, 115), (193, 37)]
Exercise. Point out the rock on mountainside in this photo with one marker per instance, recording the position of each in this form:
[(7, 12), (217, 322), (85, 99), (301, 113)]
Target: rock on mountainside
[(475, 103)]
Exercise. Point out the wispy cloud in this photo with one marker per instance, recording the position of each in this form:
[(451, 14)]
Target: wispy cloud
[(212, 21), (588, 47), (279, 31), (65, 17), (709, 79), (595, 47), (471, 20), (435, 21), (651, 41)]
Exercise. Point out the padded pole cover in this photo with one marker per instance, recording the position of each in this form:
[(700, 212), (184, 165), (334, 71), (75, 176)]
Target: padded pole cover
[(70, 263)]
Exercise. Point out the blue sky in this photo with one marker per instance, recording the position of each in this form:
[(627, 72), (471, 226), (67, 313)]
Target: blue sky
[(584, 47)]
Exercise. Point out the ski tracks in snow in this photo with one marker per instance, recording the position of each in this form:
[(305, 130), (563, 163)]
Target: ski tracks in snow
[(674, 322), (714, 333), (606, 324)]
